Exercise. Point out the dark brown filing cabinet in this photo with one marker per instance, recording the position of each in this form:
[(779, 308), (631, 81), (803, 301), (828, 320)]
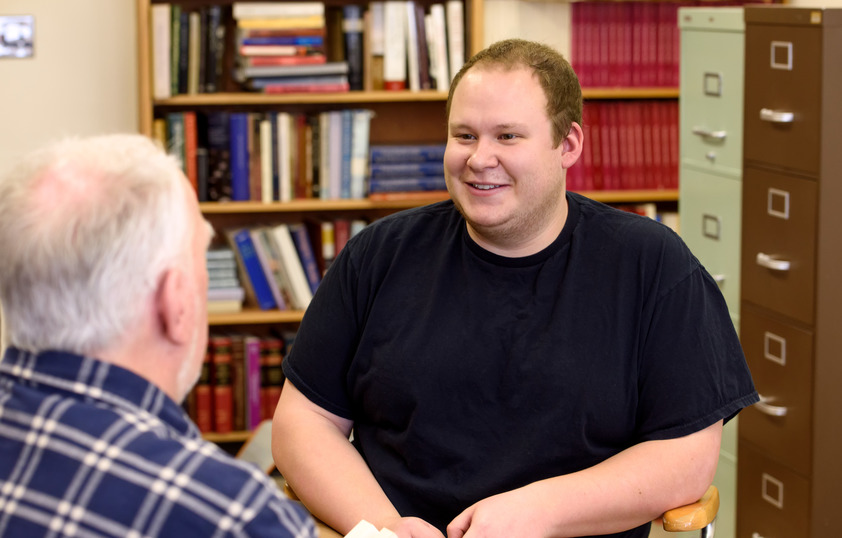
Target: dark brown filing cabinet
[(789, 475)]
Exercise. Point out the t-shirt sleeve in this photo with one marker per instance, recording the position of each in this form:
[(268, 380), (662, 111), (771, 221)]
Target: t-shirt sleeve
[(318, 361), (692, 372)]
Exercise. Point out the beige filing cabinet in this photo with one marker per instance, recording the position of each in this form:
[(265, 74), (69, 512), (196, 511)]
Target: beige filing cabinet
[(711, 140), (790, 444)]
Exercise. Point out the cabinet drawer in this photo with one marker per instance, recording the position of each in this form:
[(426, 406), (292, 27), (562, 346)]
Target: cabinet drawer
[(712, 99), (772, 501), (782, 96), (779, 242), (710, 212), (780, 357)]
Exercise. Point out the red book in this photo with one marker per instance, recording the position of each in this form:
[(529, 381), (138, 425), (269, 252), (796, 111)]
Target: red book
[(310, 59), (203, 398), (307, 88), (191, 144), (271, 374), (223, 397)]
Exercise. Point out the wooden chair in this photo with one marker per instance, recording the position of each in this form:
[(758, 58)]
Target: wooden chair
[(699, 515)]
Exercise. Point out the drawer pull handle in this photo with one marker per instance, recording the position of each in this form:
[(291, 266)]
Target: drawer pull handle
[(776, 116), (768, 409), (719, 279), (756, 535), (764, 260), (707, 133)]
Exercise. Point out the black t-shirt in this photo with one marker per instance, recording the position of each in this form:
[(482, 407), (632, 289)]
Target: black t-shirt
[(467, 374)]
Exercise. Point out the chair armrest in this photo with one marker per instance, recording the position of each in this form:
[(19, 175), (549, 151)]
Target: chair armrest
[(693, 516)]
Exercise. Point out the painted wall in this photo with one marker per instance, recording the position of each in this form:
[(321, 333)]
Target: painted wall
[(82, 79)]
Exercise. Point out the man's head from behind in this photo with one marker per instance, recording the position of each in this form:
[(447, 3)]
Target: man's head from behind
[(88, 228), (554, 73)]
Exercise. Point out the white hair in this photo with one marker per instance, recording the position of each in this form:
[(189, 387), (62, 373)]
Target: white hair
[(87, 227)]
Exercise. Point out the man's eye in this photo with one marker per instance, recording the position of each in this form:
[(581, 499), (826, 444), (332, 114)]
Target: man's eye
[(508, 136), (464, 136)]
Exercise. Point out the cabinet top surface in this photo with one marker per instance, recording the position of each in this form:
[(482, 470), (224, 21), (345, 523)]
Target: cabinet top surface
[(795, 16)]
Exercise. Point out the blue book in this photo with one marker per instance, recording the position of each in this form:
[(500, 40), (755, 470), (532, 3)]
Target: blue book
[(254, 270), (409, 184), (301, 238), (239, 139), (399, 170), (352, 33), (407, 153), (284, 40)]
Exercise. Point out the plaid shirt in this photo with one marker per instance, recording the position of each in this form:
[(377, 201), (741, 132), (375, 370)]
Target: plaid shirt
[(90, 449)]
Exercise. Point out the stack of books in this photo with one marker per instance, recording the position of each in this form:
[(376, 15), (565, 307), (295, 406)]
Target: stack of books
[(281, 48), (406, 168), (225, 293)]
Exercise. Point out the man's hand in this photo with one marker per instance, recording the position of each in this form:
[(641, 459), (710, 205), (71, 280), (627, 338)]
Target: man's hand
[(505, 515), (412, 527)]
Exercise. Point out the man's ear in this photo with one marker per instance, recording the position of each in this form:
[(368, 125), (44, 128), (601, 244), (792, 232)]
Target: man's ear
[(572, 145), (174, 306)]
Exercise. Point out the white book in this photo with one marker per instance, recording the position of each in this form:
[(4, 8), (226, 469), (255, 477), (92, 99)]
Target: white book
[(284, 156), (299, 287), (413, 63), (271, 10), (376, 8), (454, 11), (161, 38), (438, 47), (360, 129), (266, 161), (394, 41)]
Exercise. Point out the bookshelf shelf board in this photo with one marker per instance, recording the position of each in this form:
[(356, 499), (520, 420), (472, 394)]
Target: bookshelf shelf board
[(630, 93), (302, 206), (299, 206), (338, 98), (628, 196), (253, 316), (230, 437)]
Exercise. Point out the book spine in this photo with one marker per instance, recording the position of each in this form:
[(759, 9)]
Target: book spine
[(455, 15), (203, 396), (408, 184), (394, 41), (191, 143), (254, 412), (272, 375), (161, 46), (398, 170), (254, 270), (223, 397), (239, 151), (360, 130), (407, 153), (347, 134), (301, 238), (238, 382), (352, 31)]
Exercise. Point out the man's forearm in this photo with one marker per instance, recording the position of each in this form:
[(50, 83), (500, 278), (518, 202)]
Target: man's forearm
[(314, 455)]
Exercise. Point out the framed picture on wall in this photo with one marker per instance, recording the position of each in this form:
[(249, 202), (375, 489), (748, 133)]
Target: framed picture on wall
[(17, 34)]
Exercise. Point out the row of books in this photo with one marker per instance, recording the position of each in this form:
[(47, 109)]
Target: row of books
[(626, 44), (283, 47), (280, 266), (240, 382), (188, 49), (270, 156), (628, 145)]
